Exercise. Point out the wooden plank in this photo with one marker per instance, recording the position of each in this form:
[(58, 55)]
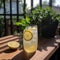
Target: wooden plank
[(45, 50), (7, 40), (5, 44), (6, 37), (51, 53), (46, 47), (4, 48), (10, 55)]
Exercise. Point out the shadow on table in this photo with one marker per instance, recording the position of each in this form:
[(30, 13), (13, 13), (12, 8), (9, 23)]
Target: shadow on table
[(44, 43), (9, 50), (23, 56)]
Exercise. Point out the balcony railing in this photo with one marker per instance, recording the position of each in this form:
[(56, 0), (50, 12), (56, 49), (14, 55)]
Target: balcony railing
[(10, 13)]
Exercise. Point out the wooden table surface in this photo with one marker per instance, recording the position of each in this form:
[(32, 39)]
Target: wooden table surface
[(46, 47)]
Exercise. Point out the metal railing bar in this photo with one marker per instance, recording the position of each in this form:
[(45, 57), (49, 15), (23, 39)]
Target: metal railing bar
[(5, 31), (31, 5), (24, 7), (40, 2), (12, 14), (11, 17)]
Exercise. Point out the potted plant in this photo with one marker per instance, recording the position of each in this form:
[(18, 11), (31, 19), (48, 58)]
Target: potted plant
[(46, 19), (23, 23), (49, 23), (35, 16)]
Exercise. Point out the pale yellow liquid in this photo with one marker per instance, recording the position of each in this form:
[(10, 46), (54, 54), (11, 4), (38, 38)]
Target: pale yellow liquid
[(31, 45), (30, 49)]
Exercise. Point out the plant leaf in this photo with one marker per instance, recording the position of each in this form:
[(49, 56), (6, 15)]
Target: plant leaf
[(27, 19)]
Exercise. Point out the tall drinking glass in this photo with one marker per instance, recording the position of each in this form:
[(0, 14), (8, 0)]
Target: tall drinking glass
[(30, 39)]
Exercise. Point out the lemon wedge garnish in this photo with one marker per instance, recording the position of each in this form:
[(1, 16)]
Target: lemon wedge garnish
[(28, 35), (13, 44)]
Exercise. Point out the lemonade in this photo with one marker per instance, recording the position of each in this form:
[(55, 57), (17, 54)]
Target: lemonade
[(31, 48), (30, 39)]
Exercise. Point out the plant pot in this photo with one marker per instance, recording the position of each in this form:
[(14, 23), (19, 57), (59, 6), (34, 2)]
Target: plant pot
[(39, 30), (49, 30)]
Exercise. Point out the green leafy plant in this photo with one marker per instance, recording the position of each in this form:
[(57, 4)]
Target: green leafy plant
[(23, 23), (57, 17), (42, 14), (35, 15), (46, 19)]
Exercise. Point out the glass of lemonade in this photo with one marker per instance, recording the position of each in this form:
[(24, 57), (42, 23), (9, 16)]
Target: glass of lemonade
[(30, 39)]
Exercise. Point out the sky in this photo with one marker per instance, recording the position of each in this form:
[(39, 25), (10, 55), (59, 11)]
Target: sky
[(57, 3)]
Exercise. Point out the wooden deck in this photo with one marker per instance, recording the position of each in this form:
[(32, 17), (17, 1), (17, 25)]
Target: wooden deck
[(46, 48)]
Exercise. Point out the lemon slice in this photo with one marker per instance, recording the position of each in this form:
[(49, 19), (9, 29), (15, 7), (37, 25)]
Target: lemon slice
[(13, 44), (28, 35)]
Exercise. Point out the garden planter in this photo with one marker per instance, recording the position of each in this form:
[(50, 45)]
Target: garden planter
[(39, 30), (49, 30)]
